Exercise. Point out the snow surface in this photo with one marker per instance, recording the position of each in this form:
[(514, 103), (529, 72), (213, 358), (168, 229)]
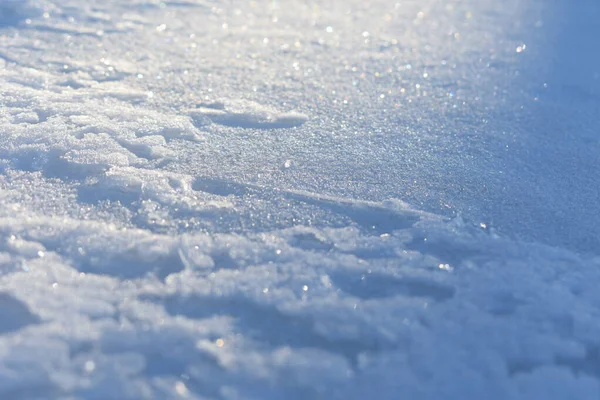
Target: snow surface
[(217, 199)]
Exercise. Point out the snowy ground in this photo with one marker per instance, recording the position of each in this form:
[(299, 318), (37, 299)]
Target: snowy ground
[(217, 199)]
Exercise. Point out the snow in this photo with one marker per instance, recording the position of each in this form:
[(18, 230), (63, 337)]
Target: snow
[(265, 200), (244, 114)]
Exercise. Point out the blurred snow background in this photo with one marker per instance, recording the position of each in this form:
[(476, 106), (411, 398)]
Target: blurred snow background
[(309, 200)]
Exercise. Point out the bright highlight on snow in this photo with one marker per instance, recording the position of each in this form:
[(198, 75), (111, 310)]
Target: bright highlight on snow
[(206, 199)]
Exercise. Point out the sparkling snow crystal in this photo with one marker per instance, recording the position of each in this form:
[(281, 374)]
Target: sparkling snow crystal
[(299, 200)]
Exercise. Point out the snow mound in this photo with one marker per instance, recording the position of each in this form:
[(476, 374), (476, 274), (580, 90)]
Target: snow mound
[(247, 114)]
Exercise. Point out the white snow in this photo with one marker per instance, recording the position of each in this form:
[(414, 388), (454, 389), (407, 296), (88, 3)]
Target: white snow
[(246, 114), (300, 200)]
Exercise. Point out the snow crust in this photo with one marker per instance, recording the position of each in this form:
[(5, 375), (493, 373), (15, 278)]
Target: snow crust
[(244, 114), (259, 200)]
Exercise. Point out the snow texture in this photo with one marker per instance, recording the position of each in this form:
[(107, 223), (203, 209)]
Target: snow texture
[(209, 199)]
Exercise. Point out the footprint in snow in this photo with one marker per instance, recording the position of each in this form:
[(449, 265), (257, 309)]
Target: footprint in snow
[(245, 114)]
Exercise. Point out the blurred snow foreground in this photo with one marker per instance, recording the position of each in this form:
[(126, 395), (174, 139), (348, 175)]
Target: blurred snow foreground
[(299, 200)]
